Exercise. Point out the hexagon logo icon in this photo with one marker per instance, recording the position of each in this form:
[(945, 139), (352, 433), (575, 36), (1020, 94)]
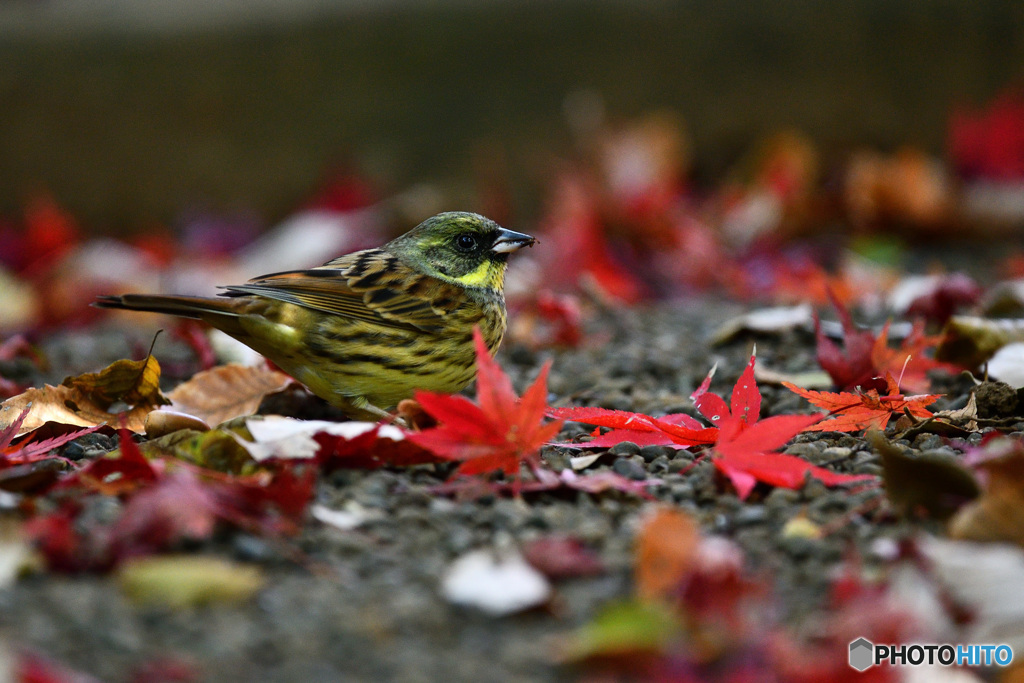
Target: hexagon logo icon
[(862, 654)]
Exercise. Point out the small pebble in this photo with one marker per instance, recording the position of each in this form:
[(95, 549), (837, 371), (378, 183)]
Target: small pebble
[(74, 451), (626, 448), (629, 468), (649, 453), (750, 514)]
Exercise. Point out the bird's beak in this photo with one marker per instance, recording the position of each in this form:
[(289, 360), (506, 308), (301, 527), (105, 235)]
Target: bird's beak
[(509, 241)]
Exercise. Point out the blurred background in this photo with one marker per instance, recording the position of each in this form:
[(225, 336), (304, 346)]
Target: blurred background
[(766, 151), (129, 112)]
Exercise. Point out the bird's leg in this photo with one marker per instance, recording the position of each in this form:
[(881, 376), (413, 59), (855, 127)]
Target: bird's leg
[(363, 405)]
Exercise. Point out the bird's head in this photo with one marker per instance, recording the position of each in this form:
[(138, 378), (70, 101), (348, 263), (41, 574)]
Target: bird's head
[(463, 248)]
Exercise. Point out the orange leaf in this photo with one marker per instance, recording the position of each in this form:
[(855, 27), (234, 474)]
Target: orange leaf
[(666, 548), (851, 412)]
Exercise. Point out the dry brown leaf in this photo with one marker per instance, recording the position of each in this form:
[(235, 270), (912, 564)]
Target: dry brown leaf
[(131, 387), (666, 549), (998, 514), (227, 391)]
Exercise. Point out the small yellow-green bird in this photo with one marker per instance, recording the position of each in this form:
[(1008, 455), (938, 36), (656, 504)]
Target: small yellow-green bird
[(367, 329)]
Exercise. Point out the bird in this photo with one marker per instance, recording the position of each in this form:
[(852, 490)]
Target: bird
[(368, 329)]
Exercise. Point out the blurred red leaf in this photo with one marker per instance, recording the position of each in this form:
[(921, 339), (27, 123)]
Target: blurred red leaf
[(178, 507), (561, 557), (371, 450), (909, 361), (498, 432), (946, 295), (855, 367), (35, 668), (50, 232), (868, 358), (989, 143), (115, 476)]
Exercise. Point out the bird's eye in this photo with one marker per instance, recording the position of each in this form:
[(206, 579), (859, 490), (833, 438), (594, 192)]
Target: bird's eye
[(465, 242)]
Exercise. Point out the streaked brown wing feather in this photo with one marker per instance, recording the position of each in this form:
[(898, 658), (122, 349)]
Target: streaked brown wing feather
[(369, 285)]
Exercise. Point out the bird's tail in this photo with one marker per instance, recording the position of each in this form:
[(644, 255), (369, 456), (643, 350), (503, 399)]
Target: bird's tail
[(220, 313)]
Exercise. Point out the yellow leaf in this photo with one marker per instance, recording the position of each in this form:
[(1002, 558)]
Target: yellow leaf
[(181, 581)]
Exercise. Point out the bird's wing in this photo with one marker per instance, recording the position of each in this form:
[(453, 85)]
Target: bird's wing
[(369, 285)]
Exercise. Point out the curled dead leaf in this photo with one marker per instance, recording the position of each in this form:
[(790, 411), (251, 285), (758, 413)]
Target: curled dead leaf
[(129, 381), (163, 422)]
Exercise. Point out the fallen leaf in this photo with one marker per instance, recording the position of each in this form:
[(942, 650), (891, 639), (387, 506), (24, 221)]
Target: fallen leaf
[(162, 422), (498, 432), (970, 341), (766, 320), (183, 581), (348, 445), (643, 430), (1007, 365), (934, 297), (227, 391), (929, 483), (129, 387), (495, 582), (997, 514), (128, 381), (562, 557), (743, 448), (624, 629), (852, 412), (984, 578), (666, 547)]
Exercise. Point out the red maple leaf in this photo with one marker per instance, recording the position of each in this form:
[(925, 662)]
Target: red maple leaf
[(868, 358), (854, 411), (908, 361), (643, 430), (855, 367), (989, 143), (498, 432), (744, 450)]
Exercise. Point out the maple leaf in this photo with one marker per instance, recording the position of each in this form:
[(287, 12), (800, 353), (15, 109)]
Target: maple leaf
[(855, 367), (744, 446), (908, 361), (643, 430), (868, 358), (498, 432), (854, 411)]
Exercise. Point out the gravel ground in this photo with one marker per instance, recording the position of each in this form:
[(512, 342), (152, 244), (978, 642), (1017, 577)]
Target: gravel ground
[(365, 604)]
